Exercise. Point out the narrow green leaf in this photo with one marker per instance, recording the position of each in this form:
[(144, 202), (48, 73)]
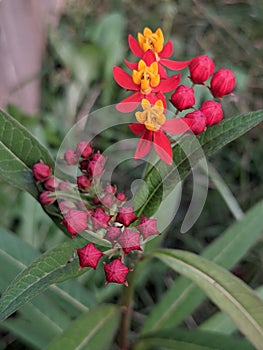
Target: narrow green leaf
[(188, 151), (19, 151), (190, 340), (51, 267), (228, 292), (184, 296), (220, 323), (93, 330)]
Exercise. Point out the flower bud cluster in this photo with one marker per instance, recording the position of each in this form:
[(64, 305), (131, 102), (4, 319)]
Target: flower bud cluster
[(222, 82), (91, 208)]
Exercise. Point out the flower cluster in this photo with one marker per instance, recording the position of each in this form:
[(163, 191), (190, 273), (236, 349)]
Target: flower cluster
[(97, 210), (149, 82)]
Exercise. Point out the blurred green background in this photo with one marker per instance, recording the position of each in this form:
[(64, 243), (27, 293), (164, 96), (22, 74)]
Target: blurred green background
[(76, 77)]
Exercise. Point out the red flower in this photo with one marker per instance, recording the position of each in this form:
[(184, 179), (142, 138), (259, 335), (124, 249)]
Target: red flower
[(212, 111), (183, 97), (145, 81), (126, 216), (152, 128), (112, 234), (96, 165), (51, 184), (196, 121), (70, 157), (129, 240), (89, 256), (121, 197), (116, 272), (147, 227), (83, 183), (46, 199), (75, 221), (84, 149), (100, 219), (222, 82), (154, 41), (41, 171), (201, 67)]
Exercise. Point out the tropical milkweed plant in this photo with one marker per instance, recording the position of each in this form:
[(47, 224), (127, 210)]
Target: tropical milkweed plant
[(168, 132)]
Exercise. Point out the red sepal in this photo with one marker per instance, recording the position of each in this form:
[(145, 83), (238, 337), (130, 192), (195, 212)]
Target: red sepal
[(137, 129), (134, 46), (163, 147), (169, 84), (167, 50), (144, 145), (175, 65), (123, 79)]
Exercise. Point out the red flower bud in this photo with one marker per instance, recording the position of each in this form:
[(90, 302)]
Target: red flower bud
[(147, 227), (222, 82), (89, 256), (201, 67), (70, 157), (129, 240), (51, 184), (64, 186), (126, 216), (41, 171), (183, 97), (100, 219), (83, 165), (112, 234), (107, 201), (65, 206), (196, 121), (121, 197), (45, 199), (116, 272), (96, 165), (84, 149), (213, 112), (110, 189), (83, 183), (75, 221)]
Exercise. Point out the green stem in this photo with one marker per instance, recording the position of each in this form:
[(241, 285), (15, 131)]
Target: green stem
[(126, 305)]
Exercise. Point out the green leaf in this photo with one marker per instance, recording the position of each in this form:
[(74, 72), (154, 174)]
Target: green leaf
[(93, 330), (19, 151), (51, 267), (228, 292), (184, 296), (220, 323), (190, 340), (188, 151)]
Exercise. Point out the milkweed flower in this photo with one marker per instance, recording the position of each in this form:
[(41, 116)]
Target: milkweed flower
[(145, 81), (153, 127), (154, 41)]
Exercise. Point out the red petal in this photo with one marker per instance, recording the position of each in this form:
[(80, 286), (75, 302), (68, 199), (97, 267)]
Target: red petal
[(160, 96), (138, 129), (130, 103), (134, 46), (124, 79), (144, 145), (149, 57), (167, 50), (161, 71), (163, 147), (175, 126), (131, 65), (169, 84), (175, 65)]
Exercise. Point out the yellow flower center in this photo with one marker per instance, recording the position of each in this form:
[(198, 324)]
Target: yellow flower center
[(151, 116), (151, 41), (146, 76)]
